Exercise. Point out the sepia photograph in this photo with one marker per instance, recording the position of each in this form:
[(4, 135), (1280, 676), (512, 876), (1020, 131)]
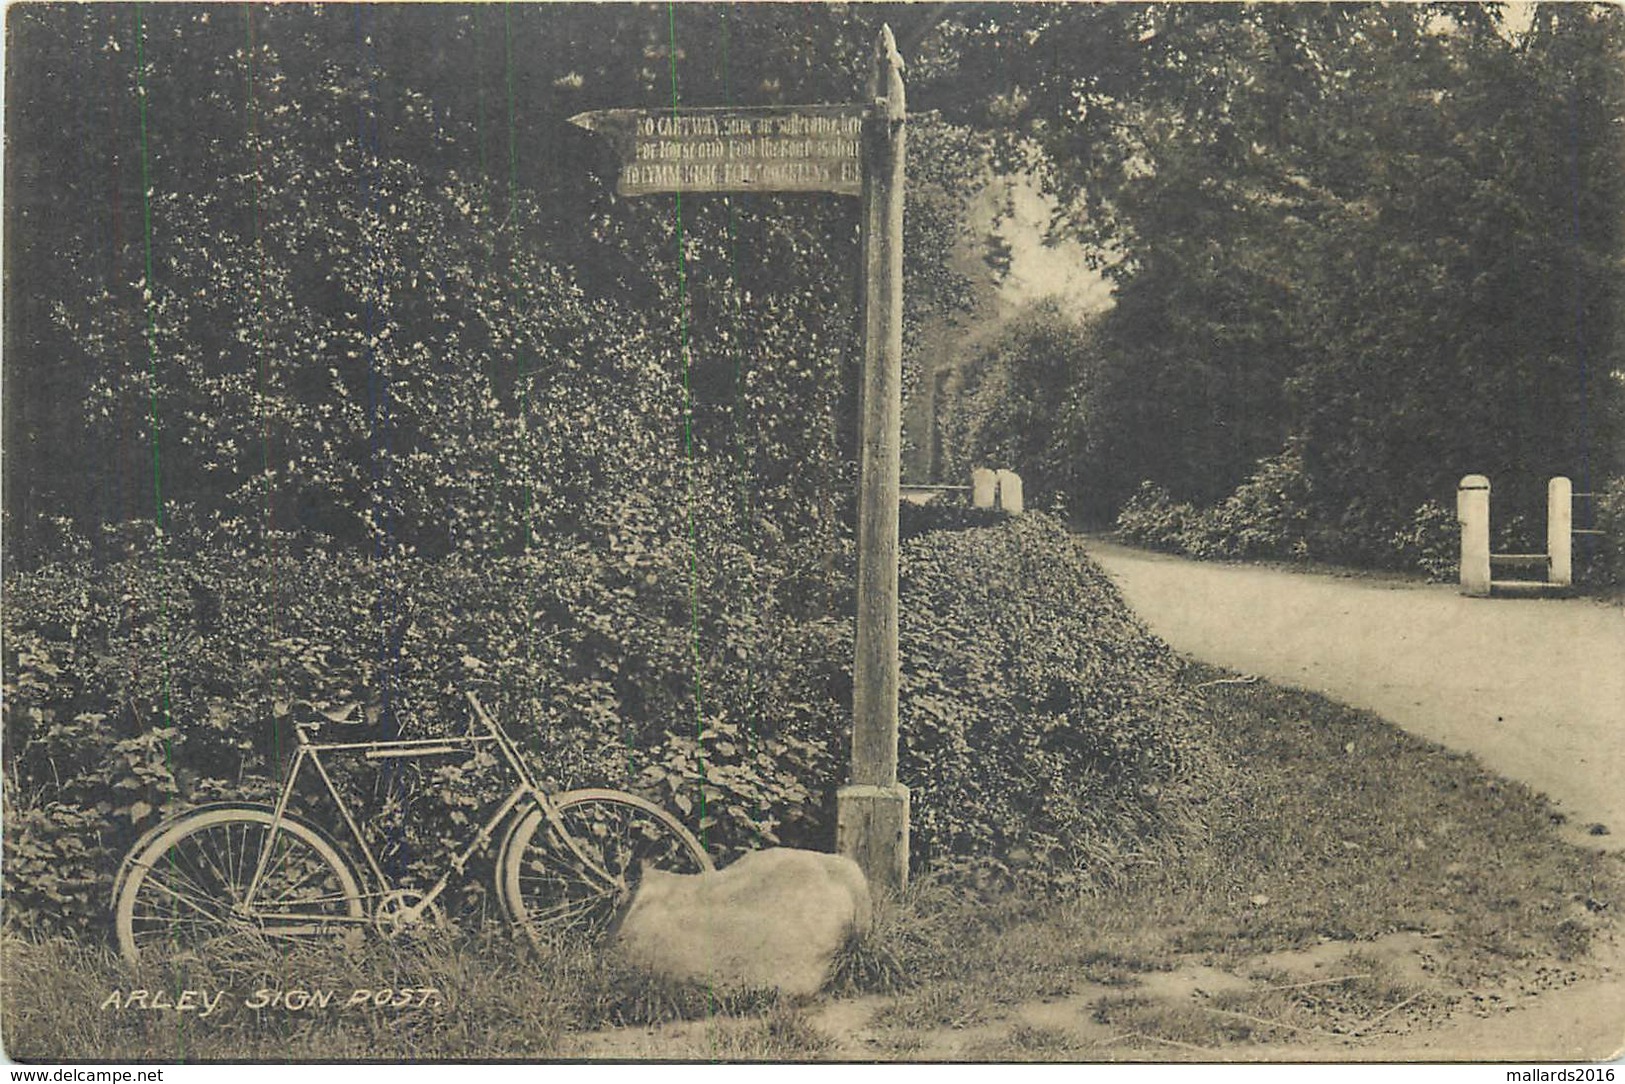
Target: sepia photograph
[(952, 533)]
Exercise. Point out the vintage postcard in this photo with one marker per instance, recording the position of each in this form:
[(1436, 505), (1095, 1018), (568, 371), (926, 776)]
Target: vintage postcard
[(756, 532)]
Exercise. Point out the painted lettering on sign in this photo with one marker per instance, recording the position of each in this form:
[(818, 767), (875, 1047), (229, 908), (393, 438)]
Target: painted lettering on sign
[(805, 149)]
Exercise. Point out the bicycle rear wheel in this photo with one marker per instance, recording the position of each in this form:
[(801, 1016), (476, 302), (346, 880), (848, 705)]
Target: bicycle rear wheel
[(187, 892), (556, 887)]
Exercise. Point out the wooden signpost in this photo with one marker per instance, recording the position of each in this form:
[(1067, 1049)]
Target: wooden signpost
[(871, 816), (812, 148), (845, 150)]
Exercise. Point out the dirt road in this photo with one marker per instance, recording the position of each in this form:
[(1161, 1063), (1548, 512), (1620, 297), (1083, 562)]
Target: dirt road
[(1535, 688)]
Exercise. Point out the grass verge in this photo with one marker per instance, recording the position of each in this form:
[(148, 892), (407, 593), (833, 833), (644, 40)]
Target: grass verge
[(1341, 831)]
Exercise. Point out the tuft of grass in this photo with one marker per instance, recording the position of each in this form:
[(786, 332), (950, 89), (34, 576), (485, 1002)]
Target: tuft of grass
[(1025, 1042), (951, 1004), (616, 993), (868, 964), (783, 1033), (911, 940), (1268, 1015)]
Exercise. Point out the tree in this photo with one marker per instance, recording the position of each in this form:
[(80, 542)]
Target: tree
[(1405, 279), (233, 115), (1018, 401)]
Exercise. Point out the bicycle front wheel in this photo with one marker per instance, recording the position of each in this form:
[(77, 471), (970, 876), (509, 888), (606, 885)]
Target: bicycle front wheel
[(193, 890), (577, 886)]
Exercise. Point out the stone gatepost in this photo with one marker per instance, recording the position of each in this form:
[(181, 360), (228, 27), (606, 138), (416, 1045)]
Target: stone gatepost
[(1010, 492), (1560, 531), (983, 484), (1473, 513)]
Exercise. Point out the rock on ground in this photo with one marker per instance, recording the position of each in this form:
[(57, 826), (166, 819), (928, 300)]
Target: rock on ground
[(772, 919)]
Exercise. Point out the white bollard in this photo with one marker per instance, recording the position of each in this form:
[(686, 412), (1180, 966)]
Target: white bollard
[(1560, 531), (1473, 513), (1010, 492), (983, 484)]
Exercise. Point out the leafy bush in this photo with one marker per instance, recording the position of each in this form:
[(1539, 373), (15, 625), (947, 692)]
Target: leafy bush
[(1153, 519), (1039, 722), (942, 514), (55, 865), (1042, 732), (1267, 516), (1608, 564), (1431, 542), (1012, 402), (138, 689)]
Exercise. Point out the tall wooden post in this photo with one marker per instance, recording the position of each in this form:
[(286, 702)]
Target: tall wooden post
[(872, 810)]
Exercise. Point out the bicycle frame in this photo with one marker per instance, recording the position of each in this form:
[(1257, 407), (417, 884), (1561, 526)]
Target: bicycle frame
[(310, 751)]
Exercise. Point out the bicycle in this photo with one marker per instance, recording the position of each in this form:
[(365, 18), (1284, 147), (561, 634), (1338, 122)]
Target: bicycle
[(566, 862)]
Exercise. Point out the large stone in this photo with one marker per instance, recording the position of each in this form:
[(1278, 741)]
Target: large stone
[(774, 918)]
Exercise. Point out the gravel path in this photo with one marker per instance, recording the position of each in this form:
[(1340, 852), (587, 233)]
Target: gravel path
[(1535, 688)]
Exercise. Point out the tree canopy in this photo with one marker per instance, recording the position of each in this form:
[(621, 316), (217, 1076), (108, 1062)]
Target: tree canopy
[(311, 264), (1402, 278), (1388, 235)]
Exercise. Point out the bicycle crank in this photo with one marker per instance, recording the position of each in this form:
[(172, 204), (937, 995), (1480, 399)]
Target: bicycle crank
[(404, 911)]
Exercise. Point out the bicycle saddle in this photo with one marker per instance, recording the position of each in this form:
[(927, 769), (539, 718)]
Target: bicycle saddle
[(347, 715)]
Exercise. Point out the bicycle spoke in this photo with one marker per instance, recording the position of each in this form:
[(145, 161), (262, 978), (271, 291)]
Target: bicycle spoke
[(191, 934), (576, 868), (231, 874), (221, 878), (189, 884), (247, 856), (272, 852), (313, 871), (173, 864), (565, 911), (190, 889), (568, 871), (200, 872), (251, 856), (195, 904), (279, 856), (541, 893), (327, 897)]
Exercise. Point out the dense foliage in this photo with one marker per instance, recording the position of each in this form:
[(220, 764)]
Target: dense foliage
[(1264, 518), (136, 689), (1607, 556), (1042, 728), (340, 373), (1013, 403), (364, 424), (1042, 735), (1395, 281), (266, 244)]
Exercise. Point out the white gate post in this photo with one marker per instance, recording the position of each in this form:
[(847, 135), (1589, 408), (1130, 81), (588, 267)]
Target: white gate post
[(983, 484), (1010, 492), (1473, 513), (1560, 531)]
